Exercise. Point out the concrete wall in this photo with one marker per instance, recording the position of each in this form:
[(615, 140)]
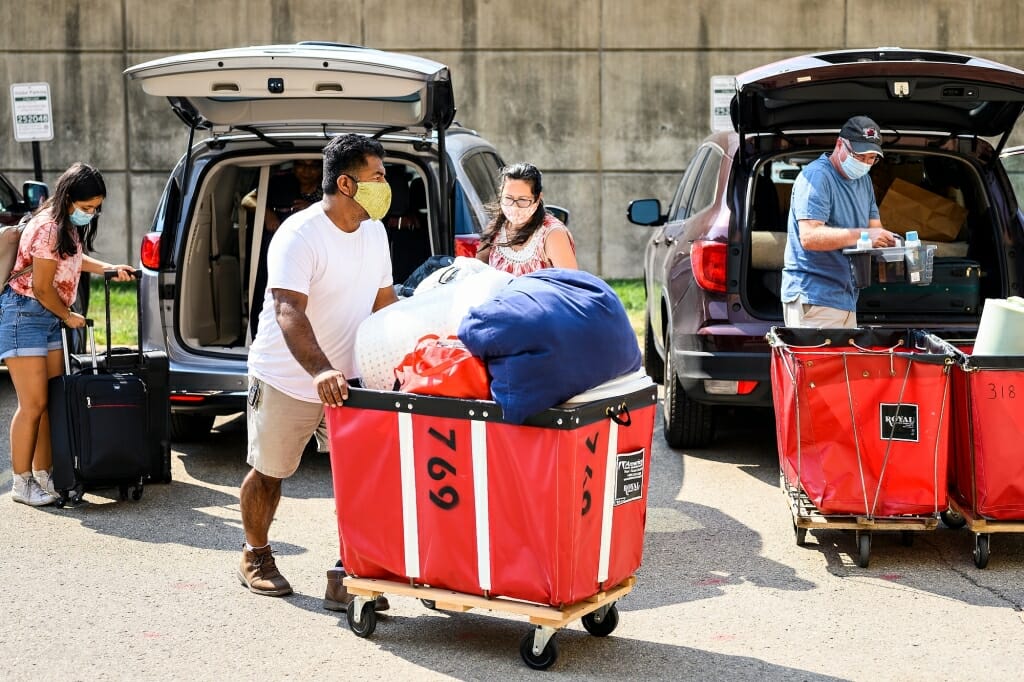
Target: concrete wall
[(607, 97)]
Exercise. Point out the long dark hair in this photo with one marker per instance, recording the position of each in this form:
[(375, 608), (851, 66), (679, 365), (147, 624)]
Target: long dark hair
[(78, 183), (518, 171)]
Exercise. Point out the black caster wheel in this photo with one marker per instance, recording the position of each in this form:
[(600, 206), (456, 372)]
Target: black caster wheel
[(367, 619), (863, 548), (122, 493), (603, 627), (801, 535), (61, 501), (545, 660), (429, 603), (907, 538), (953, 519), (136, 493), (981, 547)]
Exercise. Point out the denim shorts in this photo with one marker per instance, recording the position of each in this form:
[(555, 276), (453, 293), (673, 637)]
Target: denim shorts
[(26, 328)]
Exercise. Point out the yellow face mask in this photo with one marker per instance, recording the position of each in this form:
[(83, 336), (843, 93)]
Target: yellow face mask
[(374, 197)]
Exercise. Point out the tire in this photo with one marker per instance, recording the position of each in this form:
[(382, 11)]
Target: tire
[(190, 427), (605, 626), (688, 424), (654, 365), (953, 519), (863, 548), (367, 619), (545, 660), (981, 549)]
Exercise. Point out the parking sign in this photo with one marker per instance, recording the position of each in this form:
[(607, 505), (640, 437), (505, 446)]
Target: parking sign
[(33, 117)]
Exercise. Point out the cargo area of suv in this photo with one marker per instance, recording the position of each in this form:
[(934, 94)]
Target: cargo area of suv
[(249, 114)]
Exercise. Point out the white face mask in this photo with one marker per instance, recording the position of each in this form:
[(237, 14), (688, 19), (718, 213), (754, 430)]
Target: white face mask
[(518, 216)]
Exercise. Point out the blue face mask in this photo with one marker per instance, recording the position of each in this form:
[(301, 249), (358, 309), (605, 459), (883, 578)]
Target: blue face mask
[(853, 169), (81, 218)]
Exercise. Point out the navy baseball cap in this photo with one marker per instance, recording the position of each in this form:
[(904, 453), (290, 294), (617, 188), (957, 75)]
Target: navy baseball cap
[(863, 135)]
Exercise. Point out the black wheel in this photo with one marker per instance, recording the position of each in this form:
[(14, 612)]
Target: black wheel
[(688, 424), (907, 538), (429, 603), (953, 519), (863, 548), (653, 364), (801, 534), (61, 501), (136, 493), (367, 620), (545, 660), (603, 627), (122, 492), (190, 427), (981, 547)]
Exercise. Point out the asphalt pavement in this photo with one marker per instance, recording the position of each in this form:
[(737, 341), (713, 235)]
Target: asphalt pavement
[(147, 590)]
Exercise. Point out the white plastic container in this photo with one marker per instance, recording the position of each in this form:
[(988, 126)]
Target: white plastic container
[(1001, 330), (864, 243), (913, 256)]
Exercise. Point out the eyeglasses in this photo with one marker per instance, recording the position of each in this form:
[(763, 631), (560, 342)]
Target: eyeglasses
[(870, 158), (521, 202)]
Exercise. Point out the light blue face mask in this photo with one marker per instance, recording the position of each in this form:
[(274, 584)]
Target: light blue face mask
[(80, 217), (853, 169)]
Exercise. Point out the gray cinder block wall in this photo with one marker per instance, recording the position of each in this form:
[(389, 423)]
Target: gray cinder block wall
[(607, 97)]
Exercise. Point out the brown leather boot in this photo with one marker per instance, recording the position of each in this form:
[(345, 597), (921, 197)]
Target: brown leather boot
[(338, 598), (259, 573)]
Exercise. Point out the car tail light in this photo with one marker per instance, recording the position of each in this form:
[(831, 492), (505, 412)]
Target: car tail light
[(466, 245), (187, 398), (709, 265), (151, 251)]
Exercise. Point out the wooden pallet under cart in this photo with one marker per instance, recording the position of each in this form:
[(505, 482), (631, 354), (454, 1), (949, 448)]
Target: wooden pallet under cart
[(538, 647), (807, 517), (981, 527)]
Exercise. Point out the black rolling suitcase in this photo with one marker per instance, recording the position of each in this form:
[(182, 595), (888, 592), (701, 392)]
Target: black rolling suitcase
[(108, 425)]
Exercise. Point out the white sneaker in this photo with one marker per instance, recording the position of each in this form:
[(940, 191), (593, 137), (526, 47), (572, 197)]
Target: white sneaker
[(45, 482), (27, 491)]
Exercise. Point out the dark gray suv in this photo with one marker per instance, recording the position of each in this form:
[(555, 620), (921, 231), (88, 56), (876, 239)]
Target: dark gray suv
[(259, 108)]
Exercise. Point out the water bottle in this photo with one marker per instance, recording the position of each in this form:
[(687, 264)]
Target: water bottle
[(864, 243), (913, 257)]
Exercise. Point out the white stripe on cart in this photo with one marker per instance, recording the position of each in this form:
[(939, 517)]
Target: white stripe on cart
[(410, 521), (478, 431), (609, 501)]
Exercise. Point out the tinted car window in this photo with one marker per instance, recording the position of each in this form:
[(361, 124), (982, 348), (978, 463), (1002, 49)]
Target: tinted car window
[(681, 202), (707, 183), (1014, 164), (482, 170), (8, 196)]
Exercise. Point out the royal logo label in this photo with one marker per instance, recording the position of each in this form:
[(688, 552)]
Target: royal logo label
[(629, 477), (899, 421)]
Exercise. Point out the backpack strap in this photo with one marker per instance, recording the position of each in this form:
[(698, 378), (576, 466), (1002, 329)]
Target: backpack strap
[(18, 274)]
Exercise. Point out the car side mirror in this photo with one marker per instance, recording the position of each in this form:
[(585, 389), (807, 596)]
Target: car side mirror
[(559, 212), (35, 194), (645, 212)]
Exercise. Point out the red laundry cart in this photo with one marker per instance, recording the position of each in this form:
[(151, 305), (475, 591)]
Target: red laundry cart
[(863, 423), (442, 493), (987, 468)]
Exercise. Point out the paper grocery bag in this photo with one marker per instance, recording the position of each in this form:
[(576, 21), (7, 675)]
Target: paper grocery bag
[(908, 207)]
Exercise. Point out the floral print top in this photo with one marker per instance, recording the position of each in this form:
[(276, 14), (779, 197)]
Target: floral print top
[(530, 256), (39, 240)]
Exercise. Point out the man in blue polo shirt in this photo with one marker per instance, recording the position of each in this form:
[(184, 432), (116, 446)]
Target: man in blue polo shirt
[(833, 201)]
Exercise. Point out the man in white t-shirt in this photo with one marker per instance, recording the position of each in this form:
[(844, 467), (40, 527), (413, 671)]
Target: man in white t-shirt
[(328, 269)]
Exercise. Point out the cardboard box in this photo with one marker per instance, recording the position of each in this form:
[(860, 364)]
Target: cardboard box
[(908, 207)]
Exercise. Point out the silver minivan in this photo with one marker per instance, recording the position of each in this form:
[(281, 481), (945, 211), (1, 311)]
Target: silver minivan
[(260, 109)]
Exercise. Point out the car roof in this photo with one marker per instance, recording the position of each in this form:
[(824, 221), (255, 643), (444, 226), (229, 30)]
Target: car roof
[(307, 84), (902, 90)]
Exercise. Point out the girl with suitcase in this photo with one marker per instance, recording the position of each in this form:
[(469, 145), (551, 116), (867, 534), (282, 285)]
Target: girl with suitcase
[(36, 299)]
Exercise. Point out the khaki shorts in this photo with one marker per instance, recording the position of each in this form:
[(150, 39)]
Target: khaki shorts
[(279, 427), (797, 314)]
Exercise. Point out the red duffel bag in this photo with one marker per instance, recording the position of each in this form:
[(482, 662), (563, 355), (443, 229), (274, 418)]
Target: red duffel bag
[(443, 367)]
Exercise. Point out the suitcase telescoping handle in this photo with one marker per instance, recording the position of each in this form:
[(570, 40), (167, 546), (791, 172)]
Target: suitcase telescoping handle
[(108, 275), (67, 348)]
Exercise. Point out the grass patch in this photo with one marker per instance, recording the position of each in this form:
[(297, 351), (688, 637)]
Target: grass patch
[(124, 326), (631, 292)]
